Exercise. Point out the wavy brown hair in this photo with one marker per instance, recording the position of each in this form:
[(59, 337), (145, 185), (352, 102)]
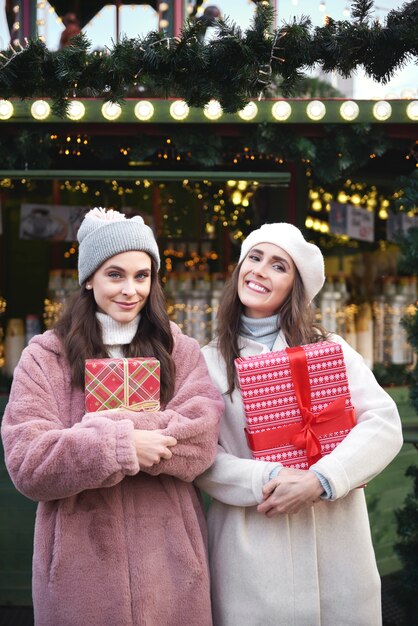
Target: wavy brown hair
[(80, 333), (297, 321)]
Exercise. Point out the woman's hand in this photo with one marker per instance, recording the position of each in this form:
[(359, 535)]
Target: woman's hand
[(290, 491), (152, 446)]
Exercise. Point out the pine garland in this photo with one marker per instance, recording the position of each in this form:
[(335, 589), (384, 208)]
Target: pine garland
[(231, 68), (330, 158)]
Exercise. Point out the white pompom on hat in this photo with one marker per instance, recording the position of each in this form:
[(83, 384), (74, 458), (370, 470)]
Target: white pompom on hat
[(306, 256), (103, 234)]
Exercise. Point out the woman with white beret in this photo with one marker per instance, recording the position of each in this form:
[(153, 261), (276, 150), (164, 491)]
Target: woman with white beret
[(287, 546)]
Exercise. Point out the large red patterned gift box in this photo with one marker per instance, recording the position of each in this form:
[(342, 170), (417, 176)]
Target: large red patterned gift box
[(132, 383), (297, 403)]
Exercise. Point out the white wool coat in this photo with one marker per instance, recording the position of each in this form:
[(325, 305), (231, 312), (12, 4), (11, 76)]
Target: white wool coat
[(313, 568)]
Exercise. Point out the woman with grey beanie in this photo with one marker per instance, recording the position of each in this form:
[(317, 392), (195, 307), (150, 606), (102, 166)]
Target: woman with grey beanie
[(289, 537), (120, 533)]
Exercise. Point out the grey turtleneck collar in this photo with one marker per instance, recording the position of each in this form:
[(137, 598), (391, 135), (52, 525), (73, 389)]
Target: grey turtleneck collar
[(262, 329)]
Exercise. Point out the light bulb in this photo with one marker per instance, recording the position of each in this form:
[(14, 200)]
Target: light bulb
[(144, 110), (111, 111), (349, 110), (6, 109), (248, 112), (412, 110), (76, 110), (382, 110), (281, 110), (40, 109), (213, 110), (179, 110), (316, 110)]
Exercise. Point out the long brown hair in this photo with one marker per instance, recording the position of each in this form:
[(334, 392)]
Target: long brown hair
[(80, 333), (297, 321)]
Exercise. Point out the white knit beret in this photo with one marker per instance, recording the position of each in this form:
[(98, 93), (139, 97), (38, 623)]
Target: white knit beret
[(306, 256), (102, 234)]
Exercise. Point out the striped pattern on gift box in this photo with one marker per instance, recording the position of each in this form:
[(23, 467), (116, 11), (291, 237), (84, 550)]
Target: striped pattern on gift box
[(132, 383), (276, 421)]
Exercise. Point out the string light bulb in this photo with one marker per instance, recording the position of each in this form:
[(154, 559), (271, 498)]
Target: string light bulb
[(412, 110), (349, 110), (40, 109), (111, 111), (249, 112), (212, 110), (281, 110), (6, 109), (76, 110), (179, 110), (382, 110), (316, 110), (144, 110)]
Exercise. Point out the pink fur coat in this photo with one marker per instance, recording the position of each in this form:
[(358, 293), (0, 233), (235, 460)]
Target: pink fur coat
[(114, 545)]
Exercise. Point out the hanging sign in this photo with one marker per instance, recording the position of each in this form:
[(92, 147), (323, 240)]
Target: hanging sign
[(347, 219), (50, 222), (399, 224)]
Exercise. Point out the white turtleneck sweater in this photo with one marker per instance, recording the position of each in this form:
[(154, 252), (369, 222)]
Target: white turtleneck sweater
[(115, 334)]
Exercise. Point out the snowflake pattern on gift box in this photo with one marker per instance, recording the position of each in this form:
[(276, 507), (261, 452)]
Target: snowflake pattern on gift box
[(328, 382)]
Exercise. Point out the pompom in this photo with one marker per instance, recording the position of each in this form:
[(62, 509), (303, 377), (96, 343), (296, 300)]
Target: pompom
[(98, 213)]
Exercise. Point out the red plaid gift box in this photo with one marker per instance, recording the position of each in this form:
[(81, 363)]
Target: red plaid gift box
[(297, 403), (122, 383)]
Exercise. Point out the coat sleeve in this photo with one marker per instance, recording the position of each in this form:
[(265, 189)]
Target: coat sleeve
[(46, 459), (232, 479), (235, 481), (192, 415), (373, 442)]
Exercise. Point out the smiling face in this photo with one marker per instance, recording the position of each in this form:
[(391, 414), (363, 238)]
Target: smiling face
[(121, 285), (265, 280)]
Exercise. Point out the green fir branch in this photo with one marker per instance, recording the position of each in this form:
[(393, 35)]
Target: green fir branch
[(339, 153), (231, 68), (361, 10), (407, 199)]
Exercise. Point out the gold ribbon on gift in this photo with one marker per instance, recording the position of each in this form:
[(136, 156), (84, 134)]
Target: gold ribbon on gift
[(145, 405)]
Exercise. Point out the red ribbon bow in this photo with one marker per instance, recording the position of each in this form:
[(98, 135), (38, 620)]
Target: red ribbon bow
[(306, 437)]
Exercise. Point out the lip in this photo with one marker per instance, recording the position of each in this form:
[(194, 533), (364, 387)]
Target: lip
[(127, 306), (256, 287)]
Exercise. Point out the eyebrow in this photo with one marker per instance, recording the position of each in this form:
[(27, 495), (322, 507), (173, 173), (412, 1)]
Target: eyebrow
[(122, 269), (274, 257)]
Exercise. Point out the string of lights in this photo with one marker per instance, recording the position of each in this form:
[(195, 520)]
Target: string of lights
[(228, 69)]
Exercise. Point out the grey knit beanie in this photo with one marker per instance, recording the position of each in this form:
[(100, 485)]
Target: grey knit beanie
[(306, 256), (103, 234)]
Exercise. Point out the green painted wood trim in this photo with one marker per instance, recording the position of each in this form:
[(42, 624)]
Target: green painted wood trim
[(277, 178)]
